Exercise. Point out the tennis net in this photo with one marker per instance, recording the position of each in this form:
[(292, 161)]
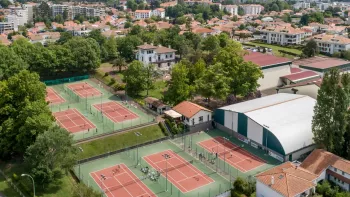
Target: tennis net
[(171, 168)]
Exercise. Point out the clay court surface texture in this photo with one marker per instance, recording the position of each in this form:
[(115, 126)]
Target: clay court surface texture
[(232, 154), (52, 97), (181, 173), (73, 121), (84, 90), (115, 111), (120, 181)]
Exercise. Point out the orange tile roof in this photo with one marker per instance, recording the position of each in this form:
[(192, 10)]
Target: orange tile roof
[(188, 109), (288, 179), (332, 38), (319, 160), (142, 11)]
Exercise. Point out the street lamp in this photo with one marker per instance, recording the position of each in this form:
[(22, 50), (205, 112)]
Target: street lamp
[(138, 134), (225, 153), (166, 156), (32, 180), (82, 150)]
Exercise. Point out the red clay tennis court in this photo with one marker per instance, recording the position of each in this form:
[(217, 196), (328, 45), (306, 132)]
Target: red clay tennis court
[(73, 121), (232, 154), (120, 181), (181, 173), (52, 97), (84, 90), (115, 111)]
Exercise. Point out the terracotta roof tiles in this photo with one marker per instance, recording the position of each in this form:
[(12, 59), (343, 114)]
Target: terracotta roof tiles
[(188, 109)]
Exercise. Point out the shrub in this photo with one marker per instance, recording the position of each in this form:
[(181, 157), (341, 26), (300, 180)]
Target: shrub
[(113, 81), (15, 177), (163, 129), (106, 74)]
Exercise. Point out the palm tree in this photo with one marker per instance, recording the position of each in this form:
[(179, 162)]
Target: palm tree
[(119, 62)]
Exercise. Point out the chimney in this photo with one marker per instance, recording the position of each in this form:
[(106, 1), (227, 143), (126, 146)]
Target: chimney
[(272, 180), (169, 46)]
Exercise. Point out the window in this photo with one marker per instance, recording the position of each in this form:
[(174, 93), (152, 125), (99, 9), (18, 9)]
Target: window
[(150, 59), (171, 55), (141, 58), (169, 64), (343, 173), (335, 169), (158, 57), (200, 118), (166, 56)]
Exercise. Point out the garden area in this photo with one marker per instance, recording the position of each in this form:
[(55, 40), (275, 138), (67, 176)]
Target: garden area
[(276, 50)]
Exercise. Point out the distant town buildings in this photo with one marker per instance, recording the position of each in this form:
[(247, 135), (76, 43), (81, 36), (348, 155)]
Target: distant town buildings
[(332, 43), (232, 9), (73, 11), (301, 5), (252, 9), (143, 14)]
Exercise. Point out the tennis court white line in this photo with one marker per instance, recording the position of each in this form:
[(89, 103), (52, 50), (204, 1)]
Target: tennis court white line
[(106, 187), (137, 182), (140, 180), (193, 167), (122, 187), (150, 161)]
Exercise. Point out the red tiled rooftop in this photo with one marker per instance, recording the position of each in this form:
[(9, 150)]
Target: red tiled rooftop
[(301, 75), (262, 59), (326, 63), (295, 70)]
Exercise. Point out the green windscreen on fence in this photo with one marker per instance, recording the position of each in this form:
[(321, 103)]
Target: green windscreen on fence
[(66, 80)]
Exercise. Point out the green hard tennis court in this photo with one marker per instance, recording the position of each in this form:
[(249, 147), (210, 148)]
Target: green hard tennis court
[(136, 160)]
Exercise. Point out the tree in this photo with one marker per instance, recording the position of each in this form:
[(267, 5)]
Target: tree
[(65, 14), (52, 152), (131, 4), (135, 78), (85, 52), (24, 113), (210, 43), (10, 63), (244, 75), (275, 8), (311, 48), (127, 45), (240, 11), (178, 87), (215, 83), (329, 121), (304, 20), (110, 46), (196, 71), (119, 62), (65, 36), (149, 77)]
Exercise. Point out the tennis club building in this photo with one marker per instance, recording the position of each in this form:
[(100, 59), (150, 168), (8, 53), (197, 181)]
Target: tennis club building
[(279, 124)]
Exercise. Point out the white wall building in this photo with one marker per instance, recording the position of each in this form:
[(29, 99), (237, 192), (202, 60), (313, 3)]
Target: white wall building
[(6, 26), (143, 14), (73, 11), (332, 43), (162, 57), (301, 5), (282, 35), (193, 114), (273, 123), (232, 9), (252, 9)]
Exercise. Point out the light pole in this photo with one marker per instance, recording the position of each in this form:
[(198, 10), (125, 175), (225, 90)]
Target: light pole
[(225, 153), (32, 180), (138, 134), (82, 150), (166, 156)]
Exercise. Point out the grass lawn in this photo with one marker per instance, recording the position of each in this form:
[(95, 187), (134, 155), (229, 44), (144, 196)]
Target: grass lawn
[(120, 141), (61, 188), (106, 65), (276, 48), (157, 92), (6, 189)]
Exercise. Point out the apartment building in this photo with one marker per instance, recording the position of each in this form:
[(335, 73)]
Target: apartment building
[(162, 57), (282, 35), (301, 5), (17, 17), (73, 11), (252, 9), (6, 26), (143, 14), (332, 43), (232, 9)]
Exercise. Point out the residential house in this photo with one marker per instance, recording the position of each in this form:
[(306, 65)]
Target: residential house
[(162, 57), (40, 26), (156, 105), (194, 115), (44, 38), (285, 180), (328, 166), (232, 9)]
